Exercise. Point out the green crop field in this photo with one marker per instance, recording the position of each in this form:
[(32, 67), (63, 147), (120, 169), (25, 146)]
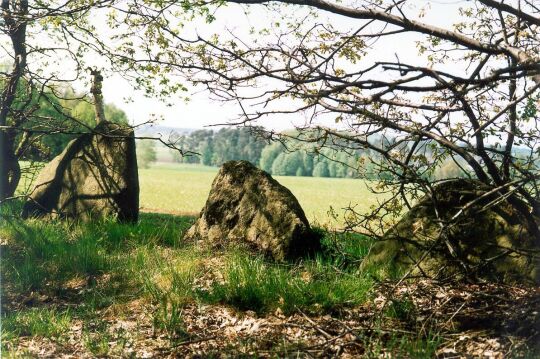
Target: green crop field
[(182, 188)]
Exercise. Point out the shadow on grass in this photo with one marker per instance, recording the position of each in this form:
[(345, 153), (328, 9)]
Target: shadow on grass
[(96, 263), (39, 254), (325, 283), (54, 270), (58, 273)]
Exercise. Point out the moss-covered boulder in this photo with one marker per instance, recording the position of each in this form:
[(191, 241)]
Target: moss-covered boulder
[(489, 240), (246, 205), (95, 176)]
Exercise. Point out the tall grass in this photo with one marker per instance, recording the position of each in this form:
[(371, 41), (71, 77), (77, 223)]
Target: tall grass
[(40, 252), (44, 322), (325, 283), (114, 263), (50, 253), (51, 250)]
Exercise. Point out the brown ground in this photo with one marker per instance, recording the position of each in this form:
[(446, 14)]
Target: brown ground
[(490, 321)]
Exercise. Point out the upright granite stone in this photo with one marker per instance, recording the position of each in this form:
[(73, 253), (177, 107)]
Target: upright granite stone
[(246, 205), (95, 176), (492, 242)]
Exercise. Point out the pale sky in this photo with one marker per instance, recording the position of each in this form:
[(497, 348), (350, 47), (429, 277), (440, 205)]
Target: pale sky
[(201, 111)]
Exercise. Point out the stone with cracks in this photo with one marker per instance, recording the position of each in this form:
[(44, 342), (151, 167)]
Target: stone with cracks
[(95, 176), (491, 240), (246, 205)]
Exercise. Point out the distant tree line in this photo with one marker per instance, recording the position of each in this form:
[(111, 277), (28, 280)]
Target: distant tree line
[(216, 147), (293, 158), (146, 153)]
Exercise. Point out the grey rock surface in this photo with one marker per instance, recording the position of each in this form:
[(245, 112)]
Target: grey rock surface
[(246, 205), (491, 242), (95, 176)]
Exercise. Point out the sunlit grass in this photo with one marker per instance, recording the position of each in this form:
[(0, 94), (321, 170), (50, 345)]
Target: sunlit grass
[(112, 263), (43, 322), (89, 272), (38, 252), (251, 283), (184, 188), (177, 188), (95, 266)]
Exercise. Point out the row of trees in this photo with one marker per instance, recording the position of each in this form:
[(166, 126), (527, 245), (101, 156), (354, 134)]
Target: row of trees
[(289, 157), (216, 147), (146, 153)]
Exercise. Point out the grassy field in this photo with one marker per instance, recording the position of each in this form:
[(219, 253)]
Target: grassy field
[(107, 289), (182, 188), (139, 290)]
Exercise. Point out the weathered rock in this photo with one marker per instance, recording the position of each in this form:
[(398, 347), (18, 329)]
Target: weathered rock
[(246, 205), (494, 244), (95, 176)]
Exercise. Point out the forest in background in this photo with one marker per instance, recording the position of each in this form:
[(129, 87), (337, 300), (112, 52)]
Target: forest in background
[(215, 147), (291, 157)]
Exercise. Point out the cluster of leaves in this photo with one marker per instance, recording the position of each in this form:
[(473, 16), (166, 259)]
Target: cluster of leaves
[(56, 119)]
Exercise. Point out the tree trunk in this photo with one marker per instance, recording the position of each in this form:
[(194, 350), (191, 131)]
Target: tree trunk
[(10, 170), (4, 179), (97, 84), (14, 14)]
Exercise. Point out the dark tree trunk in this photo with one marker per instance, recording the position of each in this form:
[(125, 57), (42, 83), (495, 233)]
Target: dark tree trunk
[(14, 13), (9, 163), (4, 179)]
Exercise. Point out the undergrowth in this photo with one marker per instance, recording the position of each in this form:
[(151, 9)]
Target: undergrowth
[(85, 269), (36, 322), (251, 283)]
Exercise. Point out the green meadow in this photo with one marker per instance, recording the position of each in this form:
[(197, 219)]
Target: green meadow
[(68, 286), (183, 189), (106, 289), (109, 289)]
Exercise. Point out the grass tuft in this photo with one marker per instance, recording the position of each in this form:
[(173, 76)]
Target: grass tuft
[(43, 322), (251, 283)]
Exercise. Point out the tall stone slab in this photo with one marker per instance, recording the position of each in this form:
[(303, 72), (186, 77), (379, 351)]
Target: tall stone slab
[(95, 176)]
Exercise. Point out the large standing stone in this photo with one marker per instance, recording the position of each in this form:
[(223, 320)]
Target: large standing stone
[(95, 175), (492, 242), (247, 205)]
